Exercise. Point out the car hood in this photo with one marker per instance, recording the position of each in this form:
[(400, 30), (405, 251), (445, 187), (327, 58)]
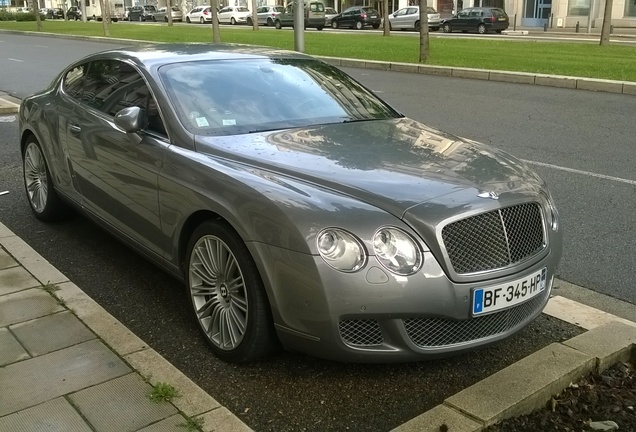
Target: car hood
[(394, 164)]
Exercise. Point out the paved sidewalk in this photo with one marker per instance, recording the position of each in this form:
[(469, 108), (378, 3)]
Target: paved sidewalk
[(67, 365)]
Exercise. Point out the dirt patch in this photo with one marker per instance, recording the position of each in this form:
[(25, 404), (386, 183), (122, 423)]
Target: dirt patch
[(606, 397)]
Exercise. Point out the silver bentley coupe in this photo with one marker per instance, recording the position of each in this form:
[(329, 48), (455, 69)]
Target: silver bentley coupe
[(297, 208)]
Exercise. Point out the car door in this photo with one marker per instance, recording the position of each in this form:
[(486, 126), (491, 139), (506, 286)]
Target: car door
[(117, 176), (346, 19), (411, 17), (461, 22), (224, 15), (397, 20)]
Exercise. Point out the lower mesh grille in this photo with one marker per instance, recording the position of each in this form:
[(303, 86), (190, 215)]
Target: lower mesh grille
[(360, 333), (439, 332)]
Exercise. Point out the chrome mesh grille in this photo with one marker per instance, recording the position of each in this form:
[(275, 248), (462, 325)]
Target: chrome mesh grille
[(495, 239), (439, 332), (359, 333)]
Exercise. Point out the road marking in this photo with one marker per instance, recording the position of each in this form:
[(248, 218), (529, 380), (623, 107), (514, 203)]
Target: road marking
[(16, 60), (579, 314), (7, 119), (587, 173)]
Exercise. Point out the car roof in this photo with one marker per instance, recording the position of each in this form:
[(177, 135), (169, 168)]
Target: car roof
[(155, 55)]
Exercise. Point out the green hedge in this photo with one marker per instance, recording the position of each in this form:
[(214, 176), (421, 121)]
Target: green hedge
[(27, 17), (6, 16)]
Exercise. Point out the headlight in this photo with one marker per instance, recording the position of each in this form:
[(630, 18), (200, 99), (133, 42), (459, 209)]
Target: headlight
[(397, 251), (553, 212), (341, 250)]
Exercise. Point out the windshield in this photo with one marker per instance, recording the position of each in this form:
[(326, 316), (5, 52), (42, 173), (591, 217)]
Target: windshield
[(230, 97)]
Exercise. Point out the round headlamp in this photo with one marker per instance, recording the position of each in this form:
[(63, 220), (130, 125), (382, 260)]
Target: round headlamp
[(397, 251), (341, 249)]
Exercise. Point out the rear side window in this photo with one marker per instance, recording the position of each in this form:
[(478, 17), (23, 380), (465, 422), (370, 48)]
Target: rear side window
[(498, 13)]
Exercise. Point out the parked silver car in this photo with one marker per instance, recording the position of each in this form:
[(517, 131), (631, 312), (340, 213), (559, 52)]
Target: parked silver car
[(408, 18), (162, 14), (294, 204), (266, 15), (329, 13)]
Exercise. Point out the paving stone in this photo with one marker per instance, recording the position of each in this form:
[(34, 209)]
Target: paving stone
[(51, 333), (11, 351), (56, 415), (33, 381), (120, 405), (6, 260), (522, 386), (433, 419), (26, 305), (40, 268), (171, 424), (16, 279)]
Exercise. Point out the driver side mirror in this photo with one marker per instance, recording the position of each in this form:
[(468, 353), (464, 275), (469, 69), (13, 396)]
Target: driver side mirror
[(129, 119)]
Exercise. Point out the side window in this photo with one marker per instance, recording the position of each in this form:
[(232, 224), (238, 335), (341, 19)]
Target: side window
[(290, 9), (463, 14), (412, 11), (112, 86), (74, 80)]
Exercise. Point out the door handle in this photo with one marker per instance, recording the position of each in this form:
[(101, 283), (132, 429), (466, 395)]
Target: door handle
[(75, 129)]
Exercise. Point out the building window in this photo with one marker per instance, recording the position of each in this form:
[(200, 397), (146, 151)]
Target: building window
[(579, 7), (630, 8)]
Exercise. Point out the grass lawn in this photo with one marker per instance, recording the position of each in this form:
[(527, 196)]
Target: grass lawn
[(617, 62)]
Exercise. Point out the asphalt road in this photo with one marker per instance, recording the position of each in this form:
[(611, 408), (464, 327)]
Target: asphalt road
[(581, 130)]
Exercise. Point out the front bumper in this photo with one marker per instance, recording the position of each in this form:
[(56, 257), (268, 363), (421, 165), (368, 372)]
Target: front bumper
[(375, 316)]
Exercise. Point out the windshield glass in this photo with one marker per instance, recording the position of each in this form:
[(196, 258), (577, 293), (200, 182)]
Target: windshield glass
[(229, 97)]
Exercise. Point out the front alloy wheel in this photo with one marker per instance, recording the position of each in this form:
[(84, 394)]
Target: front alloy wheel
[(447, 28), (227, 295), (44, 201), (481, 29)]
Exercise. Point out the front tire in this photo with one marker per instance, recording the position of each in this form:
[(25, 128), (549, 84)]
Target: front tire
[(334, 24), (249, 21), (481, 29), (44, 201), (278, 25), (227, 296), (447, 28), (232, 21), (188, 20), (202, 20)]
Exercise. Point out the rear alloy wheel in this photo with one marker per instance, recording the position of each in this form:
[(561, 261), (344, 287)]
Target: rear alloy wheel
[(233, 21), (417, 26), (359, 25), (249, 21), (481, 29), (270, 22), (44, 201), (202, 20), (278, 25), (447, 28), (227, 296), (334, 24)]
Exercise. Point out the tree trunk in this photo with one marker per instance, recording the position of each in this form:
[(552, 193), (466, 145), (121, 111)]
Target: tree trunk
[(424, 31), (169, 12), (216, 32), (254, 16), (385, 6), (36, 11), (103, 4), (607, 23)]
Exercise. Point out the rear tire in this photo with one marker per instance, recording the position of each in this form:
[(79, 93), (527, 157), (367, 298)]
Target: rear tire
[(249, 21), (141, 18), (43, 199), (481, 29), (319, 28), (359, 25), (188, 20), (270, 22), (232, 21), (202, 20), (154, 19), (376, 26), (278, 25), (226, 295), (417, 26)]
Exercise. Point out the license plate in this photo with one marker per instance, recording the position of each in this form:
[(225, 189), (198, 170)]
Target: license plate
[(502, 19), (373, 16), (497, 297)]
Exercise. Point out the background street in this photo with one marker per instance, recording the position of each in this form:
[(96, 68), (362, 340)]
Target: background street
[(590, 133)]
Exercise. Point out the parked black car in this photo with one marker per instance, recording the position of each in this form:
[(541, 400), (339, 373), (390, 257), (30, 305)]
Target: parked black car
[(142, 13), (479, 19), (56, 13), (74, 13), (357, 17)]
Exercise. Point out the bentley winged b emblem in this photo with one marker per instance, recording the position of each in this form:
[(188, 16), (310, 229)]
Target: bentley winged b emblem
[(490, 194)]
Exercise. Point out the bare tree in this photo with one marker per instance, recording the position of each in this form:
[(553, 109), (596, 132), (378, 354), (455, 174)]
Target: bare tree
[(36, 11), (607, 23), (216, 32), (387, 25), (169, 12), (254, 16), (424, 51)]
